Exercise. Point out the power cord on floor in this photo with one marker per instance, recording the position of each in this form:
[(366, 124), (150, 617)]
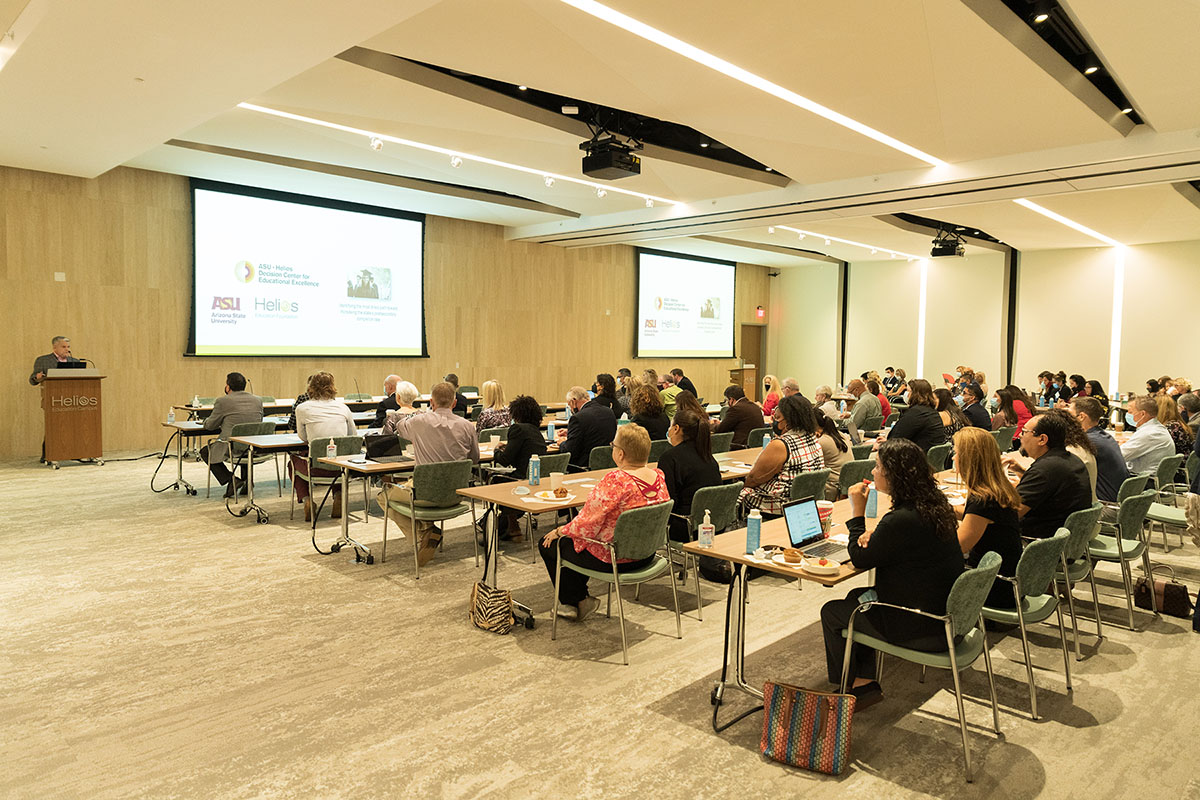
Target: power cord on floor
[(162, 460)]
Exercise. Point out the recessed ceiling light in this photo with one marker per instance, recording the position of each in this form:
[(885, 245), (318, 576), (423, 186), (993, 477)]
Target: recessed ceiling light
[(601, 193), (1126, 110), (1091, 70), (827, 241), (704, 144), (570, 110), (455, 161), (706, 59), (802, 237), (770, 229), (1041, 18), (1070, 223), (649, 203), (522, 88), (769, 169)]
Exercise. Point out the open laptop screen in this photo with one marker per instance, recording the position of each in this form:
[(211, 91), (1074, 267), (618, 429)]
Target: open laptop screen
[(803, 522)]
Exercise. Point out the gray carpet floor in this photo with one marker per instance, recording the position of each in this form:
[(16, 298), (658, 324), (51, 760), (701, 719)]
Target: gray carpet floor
[(153, 645)]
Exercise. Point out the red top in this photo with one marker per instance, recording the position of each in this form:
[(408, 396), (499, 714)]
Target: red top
[(887, 407), (1023, 416), (616, 492), (770, 403)]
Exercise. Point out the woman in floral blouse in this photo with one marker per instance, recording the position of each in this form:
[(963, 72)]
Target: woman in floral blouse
[(631, 485), (795, 450), (1169, 416), (495, 412)]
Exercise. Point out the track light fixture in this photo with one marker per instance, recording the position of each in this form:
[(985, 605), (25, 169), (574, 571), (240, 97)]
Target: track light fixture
[(549, 181), (376, 143), (602, 193), (455, 161), (649, 203)]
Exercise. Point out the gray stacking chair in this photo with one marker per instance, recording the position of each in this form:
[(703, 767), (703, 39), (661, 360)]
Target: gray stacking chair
[(721, 503), (435, 499), (1129, 544), (810, 484), (1082, 525), (854, 472), (722, 442)]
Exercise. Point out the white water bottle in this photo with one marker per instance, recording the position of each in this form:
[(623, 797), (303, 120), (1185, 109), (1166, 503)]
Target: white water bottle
[(195, 401), (707, 531), (550, 431), (170, 415), (535, 470), (753, 531), (331, 449)]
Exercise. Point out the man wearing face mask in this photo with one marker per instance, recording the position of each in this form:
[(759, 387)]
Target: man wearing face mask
[(1055, 484), (1151, 442)]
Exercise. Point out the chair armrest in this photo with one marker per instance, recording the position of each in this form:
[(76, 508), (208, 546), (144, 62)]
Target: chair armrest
[(591, 541), (869, 603)]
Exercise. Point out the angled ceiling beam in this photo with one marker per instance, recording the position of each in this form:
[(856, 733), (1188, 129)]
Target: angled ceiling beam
[(1188, 191), (916, 227), (402, 68), (385, 178)]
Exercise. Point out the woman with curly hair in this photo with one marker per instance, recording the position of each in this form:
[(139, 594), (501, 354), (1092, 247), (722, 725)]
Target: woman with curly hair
[(646, 409), (915, 554)]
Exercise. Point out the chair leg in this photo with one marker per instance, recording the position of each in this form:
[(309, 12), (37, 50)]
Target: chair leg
[(987, 664), (473, 539), (962, 714), (1150, 577), (921, 679), (528, 535), (383, 554), (878, 665), (278, 476), (620, 612), (415, 537), (637, 591), (608, 608), (557, 583), (696, 576), (208, 484), (1128, 591), (1069, 590), (1095, 602), (1028, 663), (1062, 634), (675, 597), (845, 656)]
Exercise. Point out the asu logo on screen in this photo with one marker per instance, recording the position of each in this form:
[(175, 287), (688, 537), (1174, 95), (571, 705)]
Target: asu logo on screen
[(651, 324), (227, 303), (244, 271)]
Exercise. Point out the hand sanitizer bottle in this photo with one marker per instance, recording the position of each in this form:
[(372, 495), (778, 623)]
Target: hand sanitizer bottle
[(753, 530), (170, 415), (195, 401), (331, 449), (707, 531)]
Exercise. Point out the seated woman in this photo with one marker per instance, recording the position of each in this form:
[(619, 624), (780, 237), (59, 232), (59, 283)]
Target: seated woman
[(1022, 408), (989, 518), (321, 416), (524, 439), (631, 485), (688, 466), (495, 412), (835, 451), (1095, 390), (914, 552), (920, 422), (952, 416), (406, 395), (1005, 414), (646, 410), (1181, 434), (605, 389), (771, 394), (794, 450), (625, 399)]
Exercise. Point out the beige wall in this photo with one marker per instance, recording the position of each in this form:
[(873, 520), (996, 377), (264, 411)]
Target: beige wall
[(538, 318), (881, 317), (963, 320), (804, 325)]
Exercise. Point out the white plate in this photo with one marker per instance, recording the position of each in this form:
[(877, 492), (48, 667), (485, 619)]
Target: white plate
[(778, 559), (548, 494), (832, 568)]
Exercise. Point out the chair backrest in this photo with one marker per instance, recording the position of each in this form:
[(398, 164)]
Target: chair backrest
[(1082, 525), (474, 411), (937, 456), (970, 591), (435, 483), (1192, 467), (486, 434), (557, 462), (267, 398), (810, 484), (1009, 431), (468, 390), (891, 418), (346, 446), (1003, 440), (1164, 476), (657, 448), (1038, 561), (862, 451), (641, 532), (1133, 485), (248, 429), (207, 401), (872, 423), (854, 472), (601, 458), (1133, 513), (755, 439), (719, 501), (722, 442), (358, 397)]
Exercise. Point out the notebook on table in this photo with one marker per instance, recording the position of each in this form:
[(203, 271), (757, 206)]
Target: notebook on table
[(805, 532)]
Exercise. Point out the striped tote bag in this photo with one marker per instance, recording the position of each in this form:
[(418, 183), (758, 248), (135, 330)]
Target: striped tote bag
[(491, 608), (805, 728)]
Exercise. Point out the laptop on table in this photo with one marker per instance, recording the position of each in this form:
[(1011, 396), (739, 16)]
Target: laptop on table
[(805, 533)]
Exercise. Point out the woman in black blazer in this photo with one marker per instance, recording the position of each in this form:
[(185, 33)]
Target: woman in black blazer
[(605, 389), (524, 439), (914, 552), (688, 467), (920, 422)]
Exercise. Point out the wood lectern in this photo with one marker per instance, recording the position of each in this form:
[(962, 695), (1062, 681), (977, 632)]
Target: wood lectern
[(71, 402), (746, 376)]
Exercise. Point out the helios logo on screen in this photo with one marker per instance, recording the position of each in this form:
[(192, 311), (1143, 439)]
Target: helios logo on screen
[(244, 271)]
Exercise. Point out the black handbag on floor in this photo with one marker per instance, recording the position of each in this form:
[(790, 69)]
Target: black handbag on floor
[(1170, 595)]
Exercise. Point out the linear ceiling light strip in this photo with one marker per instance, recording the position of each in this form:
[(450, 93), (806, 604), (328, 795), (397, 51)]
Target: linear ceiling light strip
[(1070, 223), (704, 58), (872, 248), (543, 174)]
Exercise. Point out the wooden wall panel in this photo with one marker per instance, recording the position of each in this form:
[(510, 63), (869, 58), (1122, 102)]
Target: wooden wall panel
[(535, 317)]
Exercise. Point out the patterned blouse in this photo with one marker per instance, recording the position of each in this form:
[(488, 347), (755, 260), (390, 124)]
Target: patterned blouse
[(803, 455), (616, 492), (1182, 435), (493, 418)]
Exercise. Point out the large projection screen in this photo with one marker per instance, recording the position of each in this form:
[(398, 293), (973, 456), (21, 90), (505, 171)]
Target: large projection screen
[(685, 306), (280, 274)]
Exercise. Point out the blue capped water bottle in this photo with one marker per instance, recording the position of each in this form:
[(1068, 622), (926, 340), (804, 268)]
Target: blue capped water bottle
[(550, 431), (753, 530), (872, 502), (535, 470)]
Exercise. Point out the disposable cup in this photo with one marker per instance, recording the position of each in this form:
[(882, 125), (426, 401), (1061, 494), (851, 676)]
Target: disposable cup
[(556, 480), (495, 442)]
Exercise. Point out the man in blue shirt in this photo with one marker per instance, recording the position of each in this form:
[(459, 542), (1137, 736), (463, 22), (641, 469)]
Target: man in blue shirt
[(1151, 442), (1111, 470)]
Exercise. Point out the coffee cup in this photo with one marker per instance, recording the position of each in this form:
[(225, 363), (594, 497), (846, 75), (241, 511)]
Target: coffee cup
[(495, 441), (556, 480)]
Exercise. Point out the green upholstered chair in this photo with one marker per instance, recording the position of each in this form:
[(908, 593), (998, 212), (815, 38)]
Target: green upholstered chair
[(872, 425), (486, 434), (1003, 440), (862, 451), (854, 472), (468, 390), (1076, 565), (640, 533), (937, 456), (1164, 475), (1036, 600), (601, 458), (1167, 516), (236, 454), (965, 638), (1168, 490), (1130, 543), (810, 484), (207, 401), (722, 442), (1131, 486), (556, 462), (657, 448), (474, 411), (435, 499), (346, 446), (891, 419), (755, 438), (721, 503)]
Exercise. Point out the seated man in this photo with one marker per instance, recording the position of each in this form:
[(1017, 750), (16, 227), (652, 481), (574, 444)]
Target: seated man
[(389, 401), (865, 406), (235, 407), (668, 393), (461, 404), (973, 407), (823, 401), (743, 416), (437, 435), (1111, 470), (890, 383), (684, 382), (790, 387), (1055, 484), (592, 424), (1151, 442)]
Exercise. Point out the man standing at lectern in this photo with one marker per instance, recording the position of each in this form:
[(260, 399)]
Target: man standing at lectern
[(61, 354)]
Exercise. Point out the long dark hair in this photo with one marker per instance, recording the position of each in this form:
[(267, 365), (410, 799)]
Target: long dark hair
[(1006, 406), (829, 428), (608, 386), (695, 429), (1075, 435), (913, 485), (945, 402), (1018, 394)]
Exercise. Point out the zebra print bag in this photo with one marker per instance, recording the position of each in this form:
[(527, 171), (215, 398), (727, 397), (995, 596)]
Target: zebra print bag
[(491, 608)]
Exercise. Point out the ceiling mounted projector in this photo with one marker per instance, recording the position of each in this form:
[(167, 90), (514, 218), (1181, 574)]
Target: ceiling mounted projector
[(607, 159), (947, 243)]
